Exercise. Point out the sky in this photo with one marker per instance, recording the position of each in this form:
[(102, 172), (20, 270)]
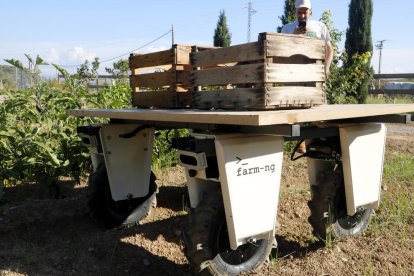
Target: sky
[(68, 32)]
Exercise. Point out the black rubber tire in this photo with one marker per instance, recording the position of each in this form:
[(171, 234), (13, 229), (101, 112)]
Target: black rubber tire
[(328, 208), (207, 243), (109, 214)]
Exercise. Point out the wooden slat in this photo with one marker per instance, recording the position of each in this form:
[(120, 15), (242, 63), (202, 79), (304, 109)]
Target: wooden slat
[(240, 98), (151, 60), (146, 70), (158, 79), (294, 96), (237, 53), (161, 99), (161, 79), (285, 73), (286, 46), (251, 73), (258, 98), (183, 78)]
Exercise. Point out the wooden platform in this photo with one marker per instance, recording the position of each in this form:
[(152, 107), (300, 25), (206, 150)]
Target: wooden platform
[(249, 118)]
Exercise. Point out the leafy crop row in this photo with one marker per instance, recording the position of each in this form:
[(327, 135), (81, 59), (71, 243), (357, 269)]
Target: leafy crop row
[(38, 140)]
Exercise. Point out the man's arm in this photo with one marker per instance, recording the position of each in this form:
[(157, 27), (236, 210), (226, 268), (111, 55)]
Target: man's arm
[(329, 52)]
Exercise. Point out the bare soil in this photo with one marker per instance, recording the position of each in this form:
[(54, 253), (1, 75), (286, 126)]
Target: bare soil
[(44, 236)]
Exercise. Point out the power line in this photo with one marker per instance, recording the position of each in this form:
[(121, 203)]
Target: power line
[(130, 52)]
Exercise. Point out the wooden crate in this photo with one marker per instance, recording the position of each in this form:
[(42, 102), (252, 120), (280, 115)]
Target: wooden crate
[(276, 72), (157, 79)]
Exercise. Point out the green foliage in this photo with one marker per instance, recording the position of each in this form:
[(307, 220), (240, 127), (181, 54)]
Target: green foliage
[(32, 70), (8, 75), (336, 35), (289, 14), (358, 34), (344, 81), (222, 35), (359, 40), (38, 140), (87, 71), (163, 154), (119, 69), (342, 86)]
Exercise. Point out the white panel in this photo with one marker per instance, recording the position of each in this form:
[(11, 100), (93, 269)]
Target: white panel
[(250, 171), (128, 160), (362, 155)]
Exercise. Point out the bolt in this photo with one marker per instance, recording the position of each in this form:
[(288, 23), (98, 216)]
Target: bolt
[(129, 196), (108, 137)]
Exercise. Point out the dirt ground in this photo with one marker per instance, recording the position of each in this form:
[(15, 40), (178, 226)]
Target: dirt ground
[(44, 236)]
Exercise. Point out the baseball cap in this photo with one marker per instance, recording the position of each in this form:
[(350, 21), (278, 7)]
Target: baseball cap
[(302, 4)]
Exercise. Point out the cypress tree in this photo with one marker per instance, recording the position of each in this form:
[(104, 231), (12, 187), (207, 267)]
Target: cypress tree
[(359, 39), (222, 36), (289, 14)]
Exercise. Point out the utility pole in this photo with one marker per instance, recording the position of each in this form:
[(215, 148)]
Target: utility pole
[(380, 46), (250, 12), (172, 34)]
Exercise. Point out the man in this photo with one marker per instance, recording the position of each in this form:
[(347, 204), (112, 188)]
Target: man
[(305, 26), (312, 28)]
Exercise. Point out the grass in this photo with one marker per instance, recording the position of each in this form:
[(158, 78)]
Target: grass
[(329, 239), (390, 100), (397, 204)]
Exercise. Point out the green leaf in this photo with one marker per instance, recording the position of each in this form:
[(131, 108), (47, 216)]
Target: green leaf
[(15, 63), (40, 61), (61, 71), (51, 154), (29, 58)]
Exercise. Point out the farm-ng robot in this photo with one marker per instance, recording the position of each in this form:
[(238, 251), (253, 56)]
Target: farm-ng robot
[(233, 155), (233, 176)]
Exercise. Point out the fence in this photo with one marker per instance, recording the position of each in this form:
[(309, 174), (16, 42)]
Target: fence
[(98, 81), (392, 92)]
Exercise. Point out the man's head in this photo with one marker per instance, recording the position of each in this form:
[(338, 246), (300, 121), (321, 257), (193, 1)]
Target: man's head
[(303, 9)]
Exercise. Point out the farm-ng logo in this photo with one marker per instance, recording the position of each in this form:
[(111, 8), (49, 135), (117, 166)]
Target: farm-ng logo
[(245, 169)]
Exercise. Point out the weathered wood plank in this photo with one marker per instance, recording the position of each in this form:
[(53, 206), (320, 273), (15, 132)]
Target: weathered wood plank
[(293, 95), (161, 99), (237, 53), (157, 79), (151, 60), (251, 73), (282, 46), (285, 73), (240, 98), (258, 98), (161, 79), (183, 78)]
